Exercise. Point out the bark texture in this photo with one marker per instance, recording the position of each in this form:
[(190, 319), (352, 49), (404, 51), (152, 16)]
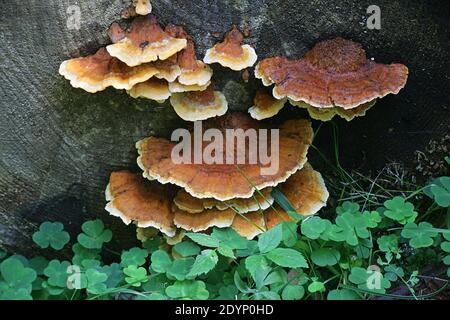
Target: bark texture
[(58, 145)]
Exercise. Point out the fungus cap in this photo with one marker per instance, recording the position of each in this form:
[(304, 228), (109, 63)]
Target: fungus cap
[(249, 225), (193, 71), (326, 114), (132, 198), (153, 89), (265, 105), (145, 41), (203, 221), (142, 7), (97, 72), (199, 105), (231, 53), (177, 87), (184, 201), (335, 73), (222, 180)]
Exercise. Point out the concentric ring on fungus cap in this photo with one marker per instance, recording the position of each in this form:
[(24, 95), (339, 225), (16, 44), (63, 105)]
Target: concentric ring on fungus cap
[(225, 181), (98, 71), (132, 198), (335, 73), (145, 41)]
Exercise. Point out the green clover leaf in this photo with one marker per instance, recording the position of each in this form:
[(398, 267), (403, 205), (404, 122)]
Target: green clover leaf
[(204, 263), (81, 253), (348, 207), (135, 275), (188, 289), (399, 210), (96, 281), (160, 261), (349, 227), (421, 236), (292, 292), (94, 234), (288, 258), (16, 280), (316, 286), (325, 257), (370, 280), (57, 273), (314, 227), (38, 264), (186, 249), (114, 273), (439, 190), (51, 234), (180, 268), (388, 243), (134, 256)]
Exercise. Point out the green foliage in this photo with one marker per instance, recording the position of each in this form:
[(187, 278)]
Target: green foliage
[(51, 234), (439, 190), (358, 252), (399, 210), (94, 235)]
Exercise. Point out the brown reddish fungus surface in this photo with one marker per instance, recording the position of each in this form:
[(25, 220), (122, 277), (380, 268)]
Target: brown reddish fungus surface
[(145, 41), (133, 198), (97, 72), (335, 73), (223, 181)]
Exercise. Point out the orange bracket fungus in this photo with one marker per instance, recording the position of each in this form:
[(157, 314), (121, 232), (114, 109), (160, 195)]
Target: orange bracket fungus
[(305, 190), (132, 198), (203, 221), (153, 89), (231, 53), (193, 71), (220, 169), (199, 105), (326, 114), (142, 7), (335, 73), (97, 72), (184, 201), (145, 41), (265, 105)]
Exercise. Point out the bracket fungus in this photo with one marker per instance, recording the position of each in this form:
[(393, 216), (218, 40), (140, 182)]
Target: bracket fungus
[(193, 71), (326, 114), (203, 221), (231, 53), (335, 73), (132, 198), (98, 71), (223, 179), (184, 201), (153, 89), (199, 105), (142, 7), (305, 190), (265, 105), (145, 41)]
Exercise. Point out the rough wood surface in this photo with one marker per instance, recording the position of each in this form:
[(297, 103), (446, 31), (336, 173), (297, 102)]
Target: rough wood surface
[(59, 144)]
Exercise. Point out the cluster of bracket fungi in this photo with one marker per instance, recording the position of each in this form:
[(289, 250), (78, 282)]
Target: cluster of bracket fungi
[(334, 78)]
